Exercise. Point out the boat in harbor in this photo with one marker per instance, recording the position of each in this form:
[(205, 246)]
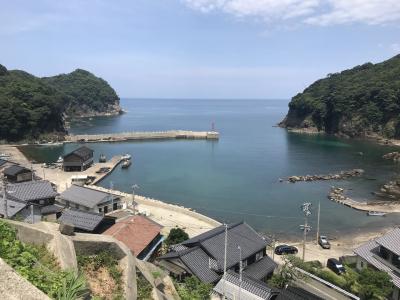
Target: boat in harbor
[(126, 156), (60, 160), (126, 164), (376, 213), (102, 158)]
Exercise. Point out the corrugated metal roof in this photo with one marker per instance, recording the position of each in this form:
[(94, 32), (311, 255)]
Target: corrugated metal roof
[(239, 234), (15, 170), (250, 289), (31, 190), (369, 251), (84, 196), (81, 219), (391, 241), (261, 268)]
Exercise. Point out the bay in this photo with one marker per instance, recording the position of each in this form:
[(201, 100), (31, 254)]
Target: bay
[(237, 177)]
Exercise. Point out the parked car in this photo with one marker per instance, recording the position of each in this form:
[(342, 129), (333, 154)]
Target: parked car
[(286, 249), (336, 266), (323, 242)]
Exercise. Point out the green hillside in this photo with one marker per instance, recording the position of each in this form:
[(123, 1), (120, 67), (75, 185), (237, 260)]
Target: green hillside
[(361, 101)]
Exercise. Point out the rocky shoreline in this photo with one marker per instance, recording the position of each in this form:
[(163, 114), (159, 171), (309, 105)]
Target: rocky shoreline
[(339, 176)]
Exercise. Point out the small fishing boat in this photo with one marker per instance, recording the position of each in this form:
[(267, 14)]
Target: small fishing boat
[(376, 213), (126, 164), (60, 160), (102, 158), (126, 156), (5, 155)]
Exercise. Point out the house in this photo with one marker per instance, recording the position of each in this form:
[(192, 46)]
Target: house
[(6, 163), (88, 199), (383, 253), (140, 234), (26, 200), (247, 288), (17, 173), (86, 221), (203, 255), (78, 160), (296, 293)]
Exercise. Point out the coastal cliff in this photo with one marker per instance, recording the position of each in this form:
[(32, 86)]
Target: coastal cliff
[(362, 101), (34, 107)]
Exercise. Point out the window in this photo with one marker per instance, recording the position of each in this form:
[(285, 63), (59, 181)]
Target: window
[(396, 260), (244, 263), (100, 209), (259, 255), (384, 253)]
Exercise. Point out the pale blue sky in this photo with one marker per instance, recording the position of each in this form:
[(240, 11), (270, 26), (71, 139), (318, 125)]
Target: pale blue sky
[(198, 48)]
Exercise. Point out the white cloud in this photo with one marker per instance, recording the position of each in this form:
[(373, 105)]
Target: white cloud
[(315, 12)]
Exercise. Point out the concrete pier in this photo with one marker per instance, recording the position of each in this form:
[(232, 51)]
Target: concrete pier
[(145, 135)]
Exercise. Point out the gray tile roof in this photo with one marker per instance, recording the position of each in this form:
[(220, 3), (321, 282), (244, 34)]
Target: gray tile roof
[(15, 170), (84, 196), (13, 207), (3, 162), (369, 251), (81, 219), (391, 241), (81, 152), (31, 190), (250, 289), (296, 293), (239, 234), (51, 209), (261, 268)]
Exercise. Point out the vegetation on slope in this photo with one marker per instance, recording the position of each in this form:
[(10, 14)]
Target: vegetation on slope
[(86, 92), (360, 101), (39, 267), (32, 106)]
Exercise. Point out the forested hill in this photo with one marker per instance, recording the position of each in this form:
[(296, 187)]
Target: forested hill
[(32, 106), (361, 101)]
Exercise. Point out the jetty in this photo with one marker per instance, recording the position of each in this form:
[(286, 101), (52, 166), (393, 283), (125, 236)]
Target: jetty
[(142, 135), (339, 176)]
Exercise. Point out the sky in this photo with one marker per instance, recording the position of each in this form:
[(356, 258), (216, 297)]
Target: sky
[(198, 48)]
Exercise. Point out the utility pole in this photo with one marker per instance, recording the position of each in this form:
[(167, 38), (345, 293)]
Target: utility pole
[(134, 186), (240, 271), (273, 246), (306, 210), (226, 246), (3, 188), (319, 212)]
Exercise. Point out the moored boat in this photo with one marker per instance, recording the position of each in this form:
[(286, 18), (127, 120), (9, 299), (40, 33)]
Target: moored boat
[(376, 213), (102, 158), (126, 164), (126, 156), (60, 160)]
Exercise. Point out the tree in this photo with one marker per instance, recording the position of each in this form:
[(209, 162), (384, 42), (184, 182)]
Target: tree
[(286, 274), (176, 236), (193, 289), (374, 284)]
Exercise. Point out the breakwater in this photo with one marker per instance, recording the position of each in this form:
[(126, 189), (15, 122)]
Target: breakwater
[(338, 176), (144, 135)]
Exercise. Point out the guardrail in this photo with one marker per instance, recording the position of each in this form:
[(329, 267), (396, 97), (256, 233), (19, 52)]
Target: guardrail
[(327, 283)]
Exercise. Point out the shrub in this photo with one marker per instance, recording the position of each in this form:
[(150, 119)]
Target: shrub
[(176, 236), (193, 289)]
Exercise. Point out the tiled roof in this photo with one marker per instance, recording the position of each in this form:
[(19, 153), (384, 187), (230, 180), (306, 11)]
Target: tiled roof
[(369, 251), (51, 209), (31, 190), (15, 170), (81, 219), (391, 241), (84, 196), (261, 268), (296, 293), (136, 232), (239, 234), (81, 152), (13, 207), (250, 289), (3, 162)]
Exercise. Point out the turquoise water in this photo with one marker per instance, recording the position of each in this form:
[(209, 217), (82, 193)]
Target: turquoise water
[(237, 177)]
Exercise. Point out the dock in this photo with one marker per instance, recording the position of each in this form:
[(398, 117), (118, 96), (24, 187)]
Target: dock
[(144, 135)]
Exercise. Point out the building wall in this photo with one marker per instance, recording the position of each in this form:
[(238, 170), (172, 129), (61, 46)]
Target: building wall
[(29, 214), (24, 177)]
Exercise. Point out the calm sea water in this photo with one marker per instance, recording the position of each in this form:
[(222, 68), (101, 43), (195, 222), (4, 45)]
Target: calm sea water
[(237, 177)]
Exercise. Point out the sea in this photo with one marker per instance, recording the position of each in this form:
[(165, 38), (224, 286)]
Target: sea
[(237, 178)]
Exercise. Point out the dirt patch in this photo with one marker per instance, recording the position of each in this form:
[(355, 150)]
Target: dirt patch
[(100, 282)]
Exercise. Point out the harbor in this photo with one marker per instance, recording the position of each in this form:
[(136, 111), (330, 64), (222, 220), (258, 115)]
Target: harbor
[(144, 135)]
